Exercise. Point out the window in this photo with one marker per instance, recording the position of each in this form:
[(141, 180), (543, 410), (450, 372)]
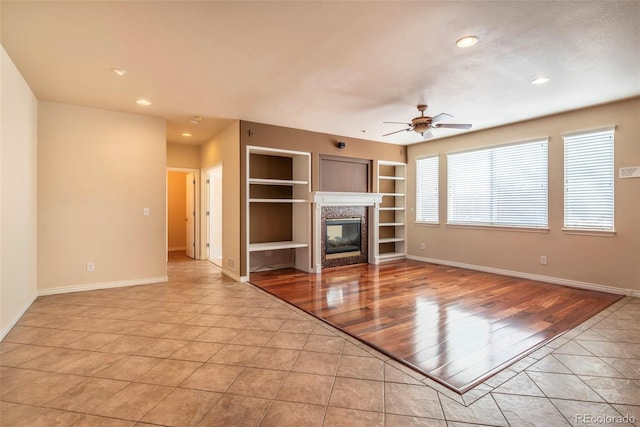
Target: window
[(427, 189), (588, 180), (500, 186)]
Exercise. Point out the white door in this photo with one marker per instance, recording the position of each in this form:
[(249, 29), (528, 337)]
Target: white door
[(190, 215), (214, 212)]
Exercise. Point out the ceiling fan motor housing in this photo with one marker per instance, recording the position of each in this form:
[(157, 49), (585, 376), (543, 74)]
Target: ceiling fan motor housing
[(421, 124)]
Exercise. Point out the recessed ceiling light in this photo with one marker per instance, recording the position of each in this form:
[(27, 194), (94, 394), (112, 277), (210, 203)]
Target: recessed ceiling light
[(119, 71), (143, 102), (186, 134), (540, 80), (467, 41)]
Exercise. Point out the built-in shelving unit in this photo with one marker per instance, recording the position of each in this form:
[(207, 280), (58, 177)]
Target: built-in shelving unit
[(392, 223), (278, 209)]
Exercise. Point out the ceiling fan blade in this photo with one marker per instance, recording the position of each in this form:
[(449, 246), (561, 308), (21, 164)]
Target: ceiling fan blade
[(453, 125), (401, 130), (440, 117), (399, 123), (427, 135)]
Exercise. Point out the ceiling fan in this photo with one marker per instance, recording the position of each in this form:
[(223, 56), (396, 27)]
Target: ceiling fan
[(423, 124)]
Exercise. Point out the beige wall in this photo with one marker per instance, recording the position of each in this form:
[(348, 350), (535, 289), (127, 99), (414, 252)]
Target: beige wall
[(18, 195), (224, 149), (97, 170), (317, 144), (183, 156), (176, 210), (600, 260)]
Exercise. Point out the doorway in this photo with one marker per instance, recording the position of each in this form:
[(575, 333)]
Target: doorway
[(181, 211), (214, 214)]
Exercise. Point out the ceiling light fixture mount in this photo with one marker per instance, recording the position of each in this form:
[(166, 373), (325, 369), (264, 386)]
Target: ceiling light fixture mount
[(196, 120), (187, 134), (143, 102), (466, 41)]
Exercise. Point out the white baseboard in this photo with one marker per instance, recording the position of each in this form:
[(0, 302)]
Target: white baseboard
[(102, 285), (540, 278), (177, 248), (19, 314), (635, 294)]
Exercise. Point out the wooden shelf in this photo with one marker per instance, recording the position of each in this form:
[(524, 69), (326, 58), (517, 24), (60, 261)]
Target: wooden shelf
[(267, 181), (392, 186), (389, 255), (278, 209), (273, 246), (277, 152), (278, 200), (391, 240)]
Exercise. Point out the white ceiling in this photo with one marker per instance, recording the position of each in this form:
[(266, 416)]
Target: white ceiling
[(334, 67)]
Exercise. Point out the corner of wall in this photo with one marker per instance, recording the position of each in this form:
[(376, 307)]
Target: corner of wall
[(18, 195)]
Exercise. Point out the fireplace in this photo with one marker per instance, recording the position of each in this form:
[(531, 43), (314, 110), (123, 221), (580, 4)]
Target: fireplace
[(358, 208), (343, 237)]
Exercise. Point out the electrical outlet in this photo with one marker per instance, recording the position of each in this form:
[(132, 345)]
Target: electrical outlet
[(91, 267), (423, 246), (543, 260), (145, 211)]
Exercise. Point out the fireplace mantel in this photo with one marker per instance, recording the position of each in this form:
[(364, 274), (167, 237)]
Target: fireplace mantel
[(322, 199), (330, 198)]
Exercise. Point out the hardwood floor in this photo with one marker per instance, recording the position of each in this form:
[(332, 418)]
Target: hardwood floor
[(454, 325)]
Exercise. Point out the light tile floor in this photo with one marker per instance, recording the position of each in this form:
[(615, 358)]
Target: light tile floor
[(204, 350)]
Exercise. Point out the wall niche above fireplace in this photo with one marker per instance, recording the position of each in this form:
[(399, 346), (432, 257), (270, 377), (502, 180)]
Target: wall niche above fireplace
[(345, 174)]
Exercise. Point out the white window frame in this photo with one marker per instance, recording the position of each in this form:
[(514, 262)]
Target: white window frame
[(596, 187), (495, 216), (432, 197)]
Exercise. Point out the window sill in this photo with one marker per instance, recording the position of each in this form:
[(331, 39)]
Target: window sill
[(579, 232), (500, 228), (426, 224)]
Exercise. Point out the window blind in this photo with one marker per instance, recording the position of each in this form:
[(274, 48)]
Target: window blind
[(589, 181), (503, 186), (427, 189)]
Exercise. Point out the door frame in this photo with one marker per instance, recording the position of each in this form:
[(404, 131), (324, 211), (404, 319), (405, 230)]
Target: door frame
[(196, 174), (205, 206)]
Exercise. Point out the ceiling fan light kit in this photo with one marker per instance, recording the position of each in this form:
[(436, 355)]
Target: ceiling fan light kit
[(423, 124)]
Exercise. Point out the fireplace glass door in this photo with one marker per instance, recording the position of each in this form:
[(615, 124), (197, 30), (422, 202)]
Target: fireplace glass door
[(343, 236)]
